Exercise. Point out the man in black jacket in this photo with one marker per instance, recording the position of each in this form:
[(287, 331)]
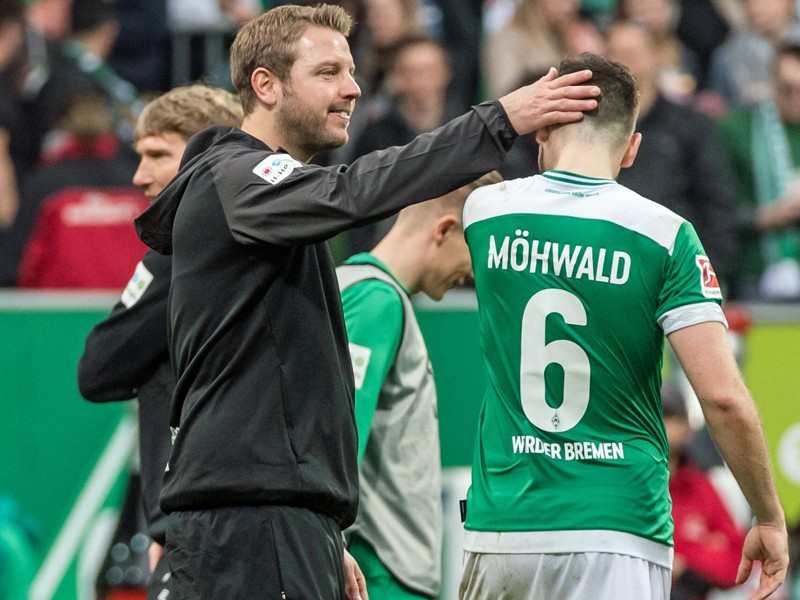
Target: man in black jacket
[(127, 354), (262, 475)]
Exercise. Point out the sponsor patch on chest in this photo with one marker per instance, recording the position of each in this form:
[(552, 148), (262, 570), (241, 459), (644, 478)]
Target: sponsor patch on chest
[(276, 168)]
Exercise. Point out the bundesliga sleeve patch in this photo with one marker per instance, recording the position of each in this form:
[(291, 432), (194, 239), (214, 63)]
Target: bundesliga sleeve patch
[(276, 168), (708, 279), (137, 286), (359, 355)]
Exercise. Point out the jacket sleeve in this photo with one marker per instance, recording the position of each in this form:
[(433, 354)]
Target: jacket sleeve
[(124, 349), (309, 203)]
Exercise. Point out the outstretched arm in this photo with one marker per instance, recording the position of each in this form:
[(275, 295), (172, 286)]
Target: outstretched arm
[(734, 423)]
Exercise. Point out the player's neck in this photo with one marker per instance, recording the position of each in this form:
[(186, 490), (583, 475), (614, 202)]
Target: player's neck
[(591, 161), (398, 253)]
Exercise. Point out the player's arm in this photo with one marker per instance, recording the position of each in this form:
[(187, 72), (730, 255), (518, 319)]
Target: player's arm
[(734, 423), (124, 349), (373, 314)]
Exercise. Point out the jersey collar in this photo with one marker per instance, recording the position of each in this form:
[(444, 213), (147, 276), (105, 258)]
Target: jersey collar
[(575, 178)]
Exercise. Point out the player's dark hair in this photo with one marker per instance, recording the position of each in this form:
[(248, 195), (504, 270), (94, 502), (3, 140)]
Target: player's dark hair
[(618, 104)]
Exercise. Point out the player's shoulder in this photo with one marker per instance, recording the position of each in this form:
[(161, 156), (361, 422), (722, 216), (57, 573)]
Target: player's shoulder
[(489, 199), (646, 216)]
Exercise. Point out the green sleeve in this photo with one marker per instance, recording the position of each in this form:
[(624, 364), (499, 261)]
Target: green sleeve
[(690, 277), (373, 314)]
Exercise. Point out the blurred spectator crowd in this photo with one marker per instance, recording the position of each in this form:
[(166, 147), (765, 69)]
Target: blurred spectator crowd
[(720, 116), (720, 87)]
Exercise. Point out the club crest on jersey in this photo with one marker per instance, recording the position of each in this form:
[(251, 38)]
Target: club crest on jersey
[(708, 278), (276, 168)]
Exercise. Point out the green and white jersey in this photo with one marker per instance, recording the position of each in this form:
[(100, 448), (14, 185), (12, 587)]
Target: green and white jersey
[(578, 280)]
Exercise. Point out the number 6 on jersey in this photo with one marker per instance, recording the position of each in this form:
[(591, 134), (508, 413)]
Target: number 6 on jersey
[(536, 355)]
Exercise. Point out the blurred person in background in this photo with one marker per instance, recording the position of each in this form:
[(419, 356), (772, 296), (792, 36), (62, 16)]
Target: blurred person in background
[(386, 22), (678, 67), (539, 34), (12, 45), (683, 164), (763, 143), (81, 68), (48, 25), (418, 77), (708, 541), (704, 24), (145, 66), (127, 355), (740, 68), (397, 536), (74, 227)]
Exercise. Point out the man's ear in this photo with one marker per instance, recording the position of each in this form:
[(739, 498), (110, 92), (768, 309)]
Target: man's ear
[(542, 135), (266, 86), (446, 225), (631, 150)]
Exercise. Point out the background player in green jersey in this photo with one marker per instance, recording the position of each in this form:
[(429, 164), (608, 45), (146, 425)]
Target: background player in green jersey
[(578, 281), (397, 536)]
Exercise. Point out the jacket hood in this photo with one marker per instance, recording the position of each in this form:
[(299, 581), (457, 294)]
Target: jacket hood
[(154, 225)]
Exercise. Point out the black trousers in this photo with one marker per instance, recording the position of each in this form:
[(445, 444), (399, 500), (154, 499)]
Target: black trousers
[(254, 553)]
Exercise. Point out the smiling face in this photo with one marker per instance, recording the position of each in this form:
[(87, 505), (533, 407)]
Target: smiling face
[(319, 95), (159, 161)]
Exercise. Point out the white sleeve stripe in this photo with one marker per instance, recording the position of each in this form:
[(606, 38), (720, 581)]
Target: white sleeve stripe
[(692, 314)]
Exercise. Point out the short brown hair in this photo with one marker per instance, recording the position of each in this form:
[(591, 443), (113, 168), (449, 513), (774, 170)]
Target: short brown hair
[(187, 110), (618, 103), (270, 41)]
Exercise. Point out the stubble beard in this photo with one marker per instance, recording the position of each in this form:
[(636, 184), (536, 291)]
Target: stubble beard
[(303, 129)]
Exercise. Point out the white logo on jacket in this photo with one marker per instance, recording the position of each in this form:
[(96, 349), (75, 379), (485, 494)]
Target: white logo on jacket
[(137, 286), (276, 168)]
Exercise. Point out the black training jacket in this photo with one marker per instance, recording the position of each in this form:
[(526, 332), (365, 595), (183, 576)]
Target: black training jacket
[(263, 407), (127, 356)]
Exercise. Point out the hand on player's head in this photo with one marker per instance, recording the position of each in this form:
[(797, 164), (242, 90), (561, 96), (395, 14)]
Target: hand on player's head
[(550, 100)]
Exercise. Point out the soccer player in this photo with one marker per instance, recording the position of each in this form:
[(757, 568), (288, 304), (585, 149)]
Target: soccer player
[(397, 536), (578, 281), (127, 354)]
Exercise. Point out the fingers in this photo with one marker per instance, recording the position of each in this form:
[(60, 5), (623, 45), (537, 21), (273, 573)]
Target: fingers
[(745, 567), (355, 585), (572, 79), (352, 587), (766, 585), (582, 92), (551, 75), (361, 583)]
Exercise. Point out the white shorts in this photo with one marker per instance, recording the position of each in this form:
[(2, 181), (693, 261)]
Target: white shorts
[(579, 576)]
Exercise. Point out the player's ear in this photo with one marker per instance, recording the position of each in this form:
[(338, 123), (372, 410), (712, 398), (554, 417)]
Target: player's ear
[(631, 150), (265, 85), (542, 135), (446, 225)]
